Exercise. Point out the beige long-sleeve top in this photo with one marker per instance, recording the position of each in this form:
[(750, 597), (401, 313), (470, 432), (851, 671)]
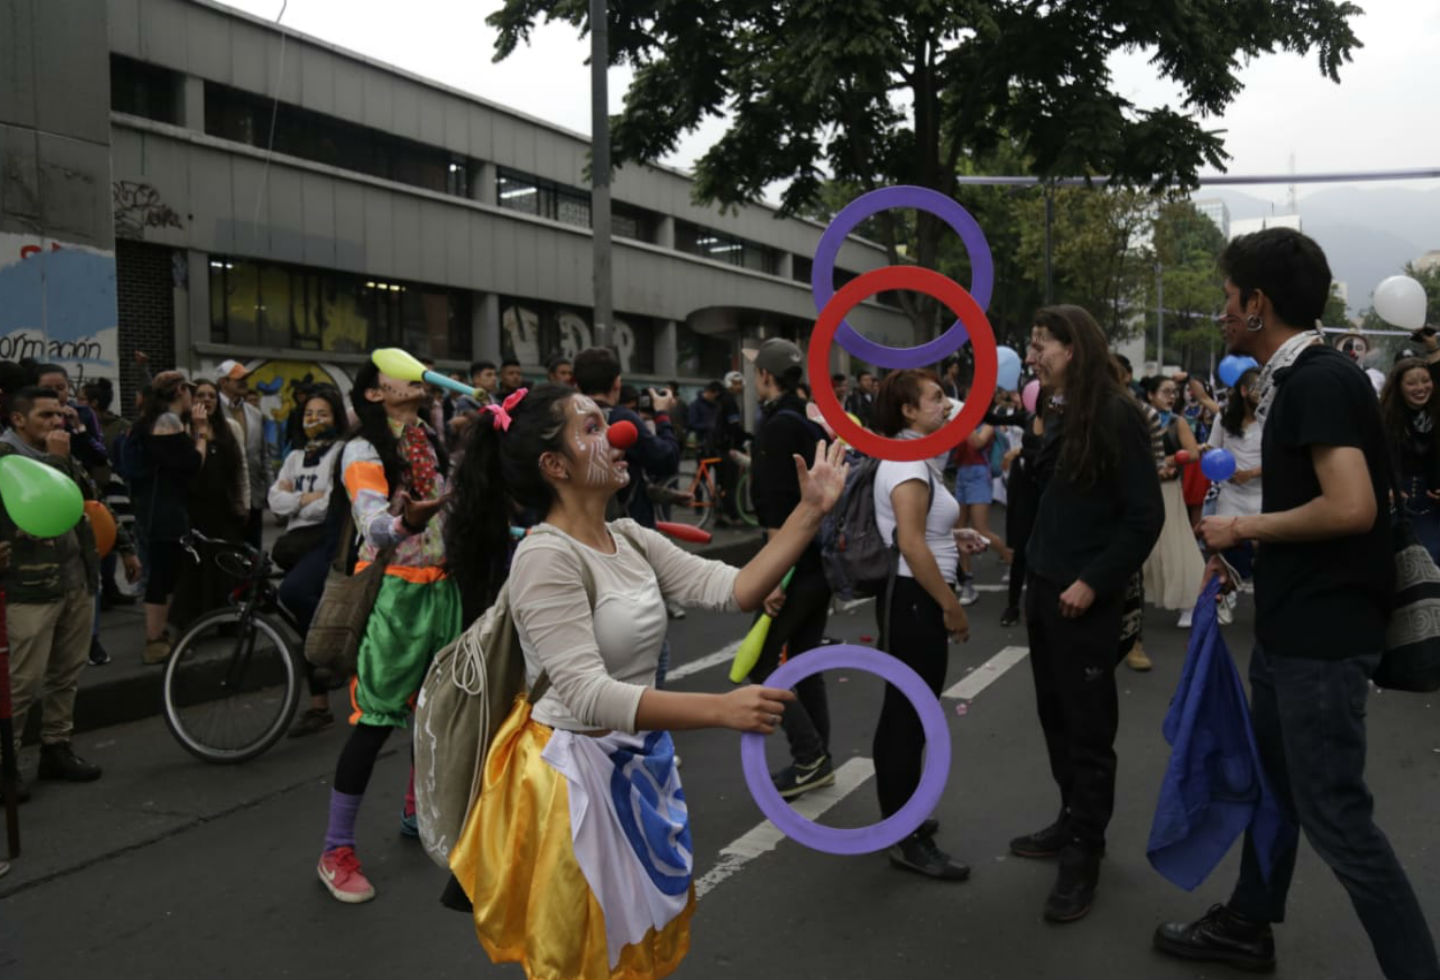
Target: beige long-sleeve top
[(601, 660)]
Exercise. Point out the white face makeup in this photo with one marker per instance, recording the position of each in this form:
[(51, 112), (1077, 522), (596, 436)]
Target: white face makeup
[(600, 464)]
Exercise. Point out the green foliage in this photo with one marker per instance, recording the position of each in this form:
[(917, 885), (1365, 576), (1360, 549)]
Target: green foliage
[(870, 93), (1335, 314)]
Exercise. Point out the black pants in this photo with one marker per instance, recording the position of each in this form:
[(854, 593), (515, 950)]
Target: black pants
[(300, 592), (915, 635), (729, 485), (1309, 718), (801, 625), (1073, 662)]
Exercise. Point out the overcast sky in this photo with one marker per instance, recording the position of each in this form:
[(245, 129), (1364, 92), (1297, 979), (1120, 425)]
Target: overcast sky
[(1382, 117)]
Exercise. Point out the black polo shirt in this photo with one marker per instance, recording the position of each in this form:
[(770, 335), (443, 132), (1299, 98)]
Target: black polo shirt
[(1325, 599), (784, 432)]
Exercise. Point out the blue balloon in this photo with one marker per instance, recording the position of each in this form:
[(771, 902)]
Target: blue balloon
[(1232, 367), (1218, 465), (1009, 374)]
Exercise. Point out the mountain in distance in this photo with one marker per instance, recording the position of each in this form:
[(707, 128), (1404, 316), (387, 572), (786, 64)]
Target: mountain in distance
[(1368, 233)]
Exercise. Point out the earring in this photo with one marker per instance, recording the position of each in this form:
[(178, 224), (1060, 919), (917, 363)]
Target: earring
[(1254, 324)]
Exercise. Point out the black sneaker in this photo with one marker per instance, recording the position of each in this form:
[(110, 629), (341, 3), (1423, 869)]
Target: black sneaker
[(59, 761), (1221, 936), (929, 828), (921, 855), (1045, 843), (802, 778), (1010, 616), (1074, 890), (312, 721), (99, 656)]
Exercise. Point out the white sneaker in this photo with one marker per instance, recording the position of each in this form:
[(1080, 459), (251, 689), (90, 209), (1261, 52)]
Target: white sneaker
[(1185, 618), (968, 595), (1227, 615)]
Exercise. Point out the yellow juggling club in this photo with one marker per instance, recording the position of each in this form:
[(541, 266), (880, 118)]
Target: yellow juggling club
[(754, 641), (403, 365)]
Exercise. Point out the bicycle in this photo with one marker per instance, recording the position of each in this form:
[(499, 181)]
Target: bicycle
[(744, 503), (692, 503), (233, 680)]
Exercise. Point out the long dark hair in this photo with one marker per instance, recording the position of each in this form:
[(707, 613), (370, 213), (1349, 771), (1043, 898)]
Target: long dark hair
[(330, 395), (1233, 418), (220, 432), (499, 474), (374, 427), (1393, 410), (1092, 444)]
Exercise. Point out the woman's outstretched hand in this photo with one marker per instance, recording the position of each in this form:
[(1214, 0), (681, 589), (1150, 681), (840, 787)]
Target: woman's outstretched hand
[(822, 484)]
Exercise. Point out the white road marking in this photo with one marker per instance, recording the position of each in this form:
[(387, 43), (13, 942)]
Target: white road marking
[(765, 836), (987, 673), (722, 656)]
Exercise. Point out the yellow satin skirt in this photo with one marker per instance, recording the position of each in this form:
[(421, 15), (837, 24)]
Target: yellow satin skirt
[(516, 861)]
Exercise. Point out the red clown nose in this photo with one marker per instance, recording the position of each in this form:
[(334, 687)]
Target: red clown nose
[(622, 434)]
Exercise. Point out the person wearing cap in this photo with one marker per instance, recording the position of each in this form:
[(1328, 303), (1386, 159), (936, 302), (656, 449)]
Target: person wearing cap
[(233, 389), (800, 611)]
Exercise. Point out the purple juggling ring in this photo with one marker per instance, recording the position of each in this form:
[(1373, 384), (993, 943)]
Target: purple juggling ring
[(877, 836), (982, 268)]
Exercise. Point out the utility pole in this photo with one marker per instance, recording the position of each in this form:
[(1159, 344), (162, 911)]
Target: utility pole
[(600, 168)]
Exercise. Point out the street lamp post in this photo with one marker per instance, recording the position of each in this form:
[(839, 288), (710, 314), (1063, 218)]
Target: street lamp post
[(600, 168)]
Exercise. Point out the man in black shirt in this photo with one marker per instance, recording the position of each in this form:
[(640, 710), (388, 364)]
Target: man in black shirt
[(1323, 587), (800, 611), (861, 402)]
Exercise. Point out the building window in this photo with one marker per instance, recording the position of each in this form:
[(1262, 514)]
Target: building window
[(801, 268), (140, 89), (282, 306), (542, 198), (711, 244), (246, 118)]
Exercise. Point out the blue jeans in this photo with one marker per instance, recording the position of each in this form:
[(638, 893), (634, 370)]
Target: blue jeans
[(1309, 718)]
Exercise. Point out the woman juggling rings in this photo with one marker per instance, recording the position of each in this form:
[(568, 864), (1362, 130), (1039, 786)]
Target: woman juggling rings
[(577, 856)]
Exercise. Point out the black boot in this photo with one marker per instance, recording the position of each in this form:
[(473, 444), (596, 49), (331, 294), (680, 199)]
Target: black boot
[(1074, 890), (1045, 843), (59, 761), (22, 790), (1222, 936)]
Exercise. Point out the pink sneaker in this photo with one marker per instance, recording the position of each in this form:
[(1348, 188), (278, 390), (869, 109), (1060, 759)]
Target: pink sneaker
[(340, 871)]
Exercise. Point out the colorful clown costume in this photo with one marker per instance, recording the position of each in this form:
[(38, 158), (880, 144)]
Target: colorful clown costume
[(577, 854), (417, 610)]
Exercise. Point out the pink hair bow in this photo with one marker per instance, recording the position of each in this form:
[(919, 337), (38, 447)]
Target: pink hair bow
[(502, 411)]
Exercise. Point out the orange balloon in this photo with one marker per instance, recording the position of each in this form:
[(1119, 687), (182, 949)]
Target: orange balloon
[(102, 522)]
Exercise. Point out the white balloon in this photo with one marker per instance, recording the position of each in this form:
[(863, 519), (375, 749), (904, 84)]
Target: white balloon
[(1401, 300)]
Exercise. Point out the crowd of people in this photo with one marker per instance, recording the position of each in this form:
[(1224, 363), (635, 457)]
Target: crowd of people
[(1106, 509)]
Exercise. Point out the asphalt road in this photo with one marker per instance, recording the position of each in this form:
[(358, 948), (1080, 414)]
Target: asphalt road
[(171, 868)]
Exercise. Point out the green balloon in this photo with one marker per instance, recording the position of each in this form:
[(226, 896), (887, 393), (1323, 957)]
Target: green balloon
[(42, 501)]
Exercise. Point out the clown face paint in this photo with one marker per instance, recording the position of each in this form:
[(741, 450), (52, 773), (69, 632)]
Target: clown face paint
[(598, 464)]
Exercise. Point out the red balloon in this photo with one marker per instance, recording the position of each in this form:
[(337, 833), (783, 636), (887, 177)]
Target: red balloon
[(685, 532), (1182, 457), (622, 434), (103, 524)]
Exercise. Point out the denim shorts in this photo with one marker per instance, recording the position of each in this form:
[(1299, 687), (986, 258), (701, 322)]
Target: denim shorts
[(973, 484)]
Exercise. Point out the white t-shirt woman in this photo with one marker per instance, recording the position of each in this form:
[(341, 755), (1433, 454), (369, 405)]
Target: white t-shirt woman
[(1239, 498), (940, 520)]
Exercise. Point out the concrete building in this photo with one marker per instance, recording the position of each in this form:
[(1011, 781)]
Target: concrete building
[(282, 201)]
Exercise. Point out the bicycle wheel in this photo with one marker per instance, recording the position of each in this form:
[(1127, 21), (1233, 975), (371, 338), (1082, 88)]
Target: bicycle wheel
[(743, 503), (231, 688), (701, 512)]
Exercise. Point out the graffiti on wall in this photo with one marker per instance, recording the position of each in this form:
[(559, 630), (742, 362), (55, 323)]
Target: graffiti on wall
[(527, 341), (138, 206), (57, 305)]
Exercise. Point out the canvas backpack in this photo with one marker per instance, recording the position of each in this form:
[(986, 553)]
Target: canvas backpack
[(468, 691)]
